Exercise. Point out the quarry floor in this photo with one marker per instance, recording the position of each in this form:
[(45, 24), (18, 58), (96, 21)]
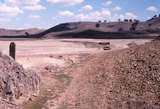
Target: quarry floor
[(53, 58)]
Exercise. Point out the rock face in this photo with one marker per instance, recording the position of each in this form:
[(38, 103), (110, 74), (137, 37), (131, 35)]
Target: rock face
[(15, 83), (125, 79), (8, 105)]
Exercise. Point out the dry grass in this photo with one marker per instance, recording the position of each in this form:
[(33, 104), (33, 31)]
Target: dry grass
[(54, 82)]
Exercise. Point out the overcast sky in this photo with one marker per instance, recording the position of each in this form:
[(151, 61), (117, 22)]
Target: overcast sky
[(47, 13)]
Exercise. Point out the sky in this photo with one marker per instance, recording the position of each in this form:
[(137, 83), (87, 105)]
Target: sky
[(20, 14)]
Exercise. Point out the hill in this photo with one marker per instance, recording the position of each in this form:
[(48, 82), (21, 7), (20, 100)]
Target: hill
[(12, 32), (95, 34), (75, 29), (128, 28)]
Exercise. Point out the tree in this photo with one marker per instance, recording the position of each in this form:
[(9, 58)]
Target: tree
[(120, 29), (99, 21), (134, 25), (135, 20), (27, 34), (149, 24), (130, 20), (125, 20), (97, 25), (155, 16)]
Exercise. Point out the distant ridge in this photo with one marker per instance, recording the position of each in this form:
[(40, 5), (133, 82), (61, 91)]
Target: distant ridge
[(12, 32), (121, 29)]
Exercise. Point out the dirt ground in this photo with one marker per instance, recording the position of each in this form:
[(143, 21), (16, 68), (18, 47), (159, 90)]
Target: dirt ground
[(55, 51), (53, 58)]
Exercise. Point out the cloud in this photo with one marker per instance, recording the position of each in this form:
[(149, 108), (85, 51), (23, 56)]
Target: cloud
[(23, 2), (117, 8), (66, 13), (152, 9), (9, 11), (34, 16), (102, 14), (4, 20), (128, 15), (108, 2), (66, 2), (94, 16), (34, 7), (87, 8)]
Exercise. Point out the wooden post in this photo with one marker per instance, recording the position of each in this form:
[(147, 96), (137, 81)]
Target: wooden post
[(12, 50)]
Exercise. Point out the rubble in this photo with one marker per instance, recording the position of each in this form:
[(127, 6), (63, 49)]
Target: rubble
[(16, 84)]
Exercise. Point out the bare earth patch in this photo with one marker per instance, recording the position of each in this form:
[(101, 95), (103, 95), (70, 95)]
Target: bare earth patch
[(54, 60)]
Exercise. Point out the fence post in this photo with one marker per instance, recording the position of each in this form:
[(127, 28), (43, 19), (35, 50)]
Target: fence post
[(12, 50)]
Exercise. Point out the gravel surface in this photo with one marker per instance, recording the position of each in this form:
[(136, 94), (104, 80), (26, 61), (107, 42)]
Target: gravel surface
[(124, 79)]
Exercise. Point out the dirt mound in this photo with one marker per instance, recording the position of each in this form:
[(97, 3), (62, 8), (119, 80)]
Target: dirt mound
[(16, 84), (126, 79)]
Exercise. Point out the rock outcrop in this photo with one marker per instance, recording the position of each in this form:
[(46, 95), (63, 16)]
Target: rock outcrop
[(16, 84)]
